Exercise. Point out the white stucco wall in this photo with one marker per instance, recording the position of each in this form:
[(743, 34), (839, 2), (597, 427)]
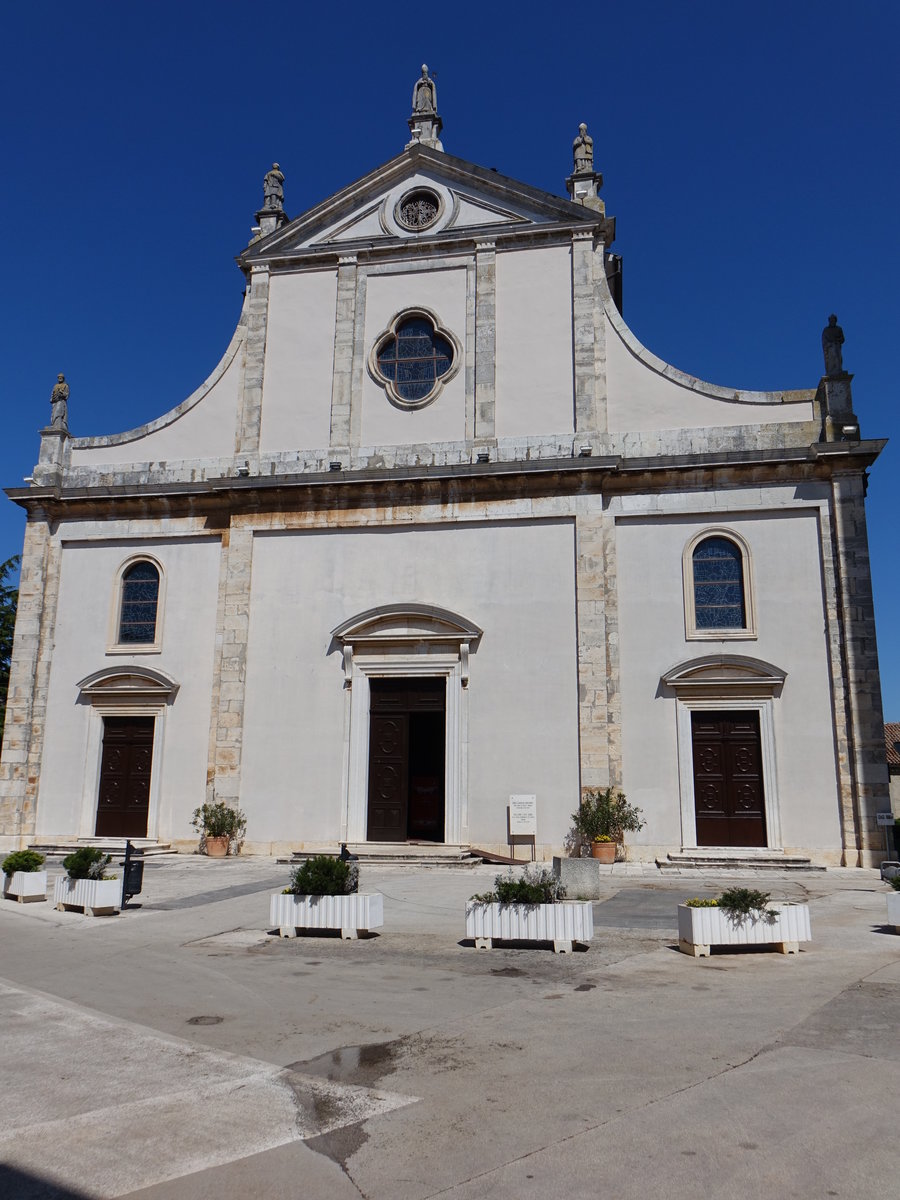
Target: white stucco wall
[(534, 386), (296, 407), (191, 567), (444, 420), (206, 430), (790, 621), (515, 581), (641, 399)]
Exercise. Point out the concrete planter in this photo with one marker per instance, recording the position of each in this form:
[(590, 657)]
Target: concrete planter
[(893, 911), (563, 923), (701, 928), (358, 912), (93, 895), (25, 885)]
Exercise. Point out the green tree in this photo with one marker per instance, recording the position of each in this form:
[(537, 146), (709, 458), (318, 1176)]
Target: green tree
[(9, 598)]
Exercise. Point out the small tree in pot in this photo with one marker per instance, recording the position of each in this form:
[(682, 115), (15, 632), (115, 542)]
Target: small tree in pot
[(219, 827), (603, 819)]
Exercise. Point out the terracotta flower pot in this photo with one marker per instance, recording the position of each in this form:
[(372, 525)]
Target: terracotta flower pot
[(604, 852), (217, 847)]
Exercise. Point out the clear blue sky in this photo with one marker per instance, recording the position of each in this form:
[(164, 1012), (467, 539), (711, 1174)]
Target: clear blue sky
[(749, 152)]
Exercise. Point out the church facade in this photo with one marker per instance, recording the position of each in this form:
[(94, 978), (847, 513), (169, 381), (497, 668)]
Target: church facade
[(438, 530)]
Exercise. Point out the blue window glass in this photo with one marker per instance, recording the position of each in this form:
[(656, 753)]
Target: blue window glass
[(140, 597), (414, 358), (718, 585)]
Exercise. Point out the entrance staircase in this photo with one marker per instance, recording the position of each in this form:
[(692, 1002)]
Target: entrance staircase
[(148, 847), (716, 860), (399, 854)]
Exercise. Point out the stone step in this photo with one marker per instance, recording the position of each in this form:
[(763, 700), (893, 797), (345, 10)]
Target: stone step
[(423, 854), (718, 861), (148, 847)]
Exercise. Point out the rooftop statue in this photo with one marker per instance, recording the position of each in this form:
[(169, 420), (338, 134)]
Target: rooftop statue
[(832, 340), (424, 94), (583, 150), (59, 407), (273, 190)]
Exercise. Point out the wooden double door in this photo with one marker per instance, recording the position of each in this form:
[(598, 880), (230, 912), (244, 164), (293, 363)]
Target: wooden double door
[(729, 800), (124, 799), (407, 735)]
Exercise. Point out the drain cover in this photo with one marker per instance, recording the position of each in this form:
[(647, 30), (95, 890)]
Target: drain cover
[(205, 1020)]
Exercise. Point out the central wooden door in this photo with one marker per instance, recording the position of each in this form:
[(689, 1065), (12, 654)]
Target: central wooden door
[(728, 786), (125, 766), (407, 725)]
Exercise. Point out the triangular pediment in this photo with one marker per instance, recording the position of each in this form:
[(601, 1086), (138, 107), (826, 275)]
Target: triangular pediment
[(459, 199)]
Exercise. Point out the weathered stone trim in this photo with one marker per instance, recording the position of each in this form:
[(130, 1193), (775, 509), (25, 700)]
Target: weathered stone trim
[(359, 360), (23, 735), (253, 368), (226, 730), (485, 339), (864, 745), (471, 277), (584, 365), (600, 393), (344, 341)]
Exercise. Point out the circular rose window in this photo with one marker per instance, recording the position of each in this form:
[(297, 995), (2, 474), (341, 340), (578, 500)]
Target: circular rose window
[(419, 209)]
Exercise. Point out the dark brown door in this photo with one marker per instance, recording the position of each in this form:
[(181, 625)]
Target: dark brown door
[(125, 776), (728, 786), (406, 760)]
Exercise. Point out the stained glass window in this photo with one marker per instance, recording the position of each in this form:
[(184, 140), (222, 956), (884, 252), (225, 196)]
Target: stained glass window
[(418, 210), (719, 585), (140, 596), (414, 358)]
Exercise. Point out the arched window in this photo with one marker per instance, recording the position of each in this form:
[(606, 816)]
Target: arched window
[(717, 593), (413, 358), (138, 604)]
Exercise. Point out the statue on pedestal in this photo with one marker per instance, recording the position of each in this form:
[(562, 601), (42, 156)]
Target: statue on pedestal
[(273, 190), (425, 94), (59, 407), (832, 340), (583, 151)]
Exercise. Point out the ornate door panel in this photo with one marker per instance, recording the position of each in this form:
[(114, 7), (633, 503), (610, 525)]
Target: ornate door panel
[(125, 777), (406, 760), (728, 787)]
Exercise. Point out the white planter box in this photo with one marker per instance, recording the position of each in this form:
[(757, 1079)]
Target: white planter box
[(351, 914), (93, 895), (563, 923), (893, 918), (700, 928), (26, 885)]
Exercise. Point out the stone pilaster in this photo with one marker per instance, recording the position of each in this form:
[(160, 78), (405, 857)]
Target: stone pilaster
[(247, 439), (226, 727), (583, 309), (598, 661), (471, 280), (23, 735), (861, 741), (344, 342), (600, 286), (485, 339)]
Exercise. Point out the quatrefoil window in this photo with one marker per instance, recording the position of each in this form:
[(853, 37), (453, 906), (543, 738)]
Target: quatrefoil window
[(414, 358)]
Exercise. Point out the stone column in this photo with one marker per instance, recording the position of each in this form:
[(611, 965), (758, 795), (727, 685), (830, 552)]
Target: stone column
[(23, 735), (344, 339), (226, 728), (250, 416), (862, 741), (598, 662), (485, 339)]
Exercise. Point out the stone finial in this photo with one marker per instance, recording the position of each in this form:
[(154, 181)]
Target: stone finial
[(425, 124), (584, 183), (59, 405), (273, 190), (832, 340)]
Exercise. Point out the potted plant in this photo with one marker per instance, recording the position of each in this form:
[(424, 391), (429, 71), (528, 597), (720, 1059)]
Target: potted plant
[(23, 878), (86, 884), (603, 819), (893, 904), (741, 917), (324, 894), (220, 827), (532, 908)]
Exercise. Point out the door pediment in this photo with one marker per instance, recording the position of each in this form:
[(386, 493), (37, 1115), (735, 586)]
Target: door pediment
[(725, 674), (406, 623), (128, 683)]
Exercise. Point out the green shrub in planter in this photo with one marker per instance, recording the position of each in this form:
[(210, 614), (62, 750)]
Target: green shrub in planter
[(605, 815), (87, 863), (220, 820), (530, 888), (323, 875), (22, 860), (745, 902), (895, 883)]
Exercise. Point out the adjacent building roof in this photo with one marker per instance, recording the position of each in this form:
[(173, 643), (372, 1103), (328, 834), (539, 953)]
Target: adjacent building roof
[(892, 745)]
